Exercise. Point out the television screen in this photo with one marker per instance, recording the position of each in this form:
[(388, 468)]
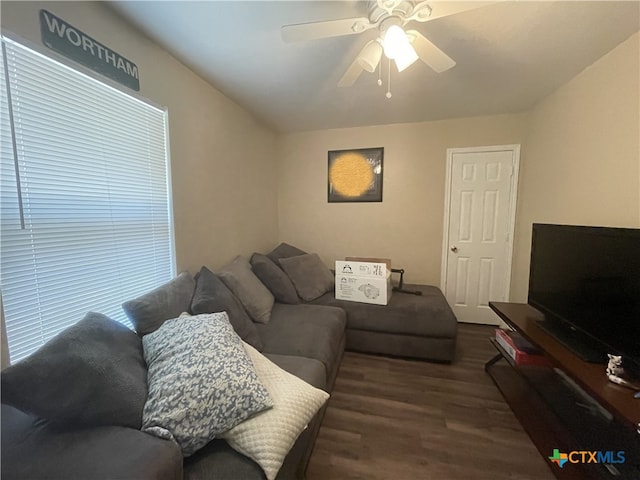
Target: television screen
[(586, 280)]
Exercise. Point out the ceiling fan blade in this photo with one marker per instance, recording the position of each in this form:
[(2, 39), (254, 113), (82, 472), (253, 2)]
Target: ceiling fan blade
[(444, 9), (351, 75), (429, 53), (332, 28)]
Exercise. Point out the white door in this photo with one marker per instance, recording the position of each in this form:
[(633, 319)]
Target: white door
[(478, 231)]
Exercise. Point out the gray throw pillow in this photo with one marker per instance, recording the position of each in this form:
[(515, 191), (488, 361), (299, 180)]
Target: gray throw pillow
[(284, 250), (309, 275), (167, 301), (92, 373), (201, 381), (274, 279), (254, 296), (212, 296)]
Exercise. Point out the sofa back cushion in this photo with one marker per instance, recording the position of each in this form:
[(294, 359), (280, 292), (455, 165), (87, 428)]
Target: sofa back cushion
[(151, 310), (309, 275), (93, 373), (254, 296), (284, 250), (272, 276), (212, 296)]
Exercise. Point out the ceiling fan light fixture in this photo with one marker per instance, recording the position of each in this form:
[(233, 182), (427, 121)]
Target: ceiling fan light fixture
[(398, 47), (370, 56), (406, 59), (393, 42)]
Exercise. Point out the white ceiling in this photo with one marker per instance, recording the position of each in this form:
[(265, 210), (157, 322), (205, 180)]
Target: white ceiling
[(509, 56)]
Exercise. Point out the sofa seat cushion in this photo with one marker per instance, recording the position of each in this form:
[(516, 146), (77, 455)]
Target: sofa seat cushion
[(310, 370), (426, 315), (217, 460), (34, 448), (311, 331)]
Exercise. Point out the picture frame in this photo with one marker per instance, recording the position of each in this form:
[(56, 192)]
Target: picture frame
[(355, 175)]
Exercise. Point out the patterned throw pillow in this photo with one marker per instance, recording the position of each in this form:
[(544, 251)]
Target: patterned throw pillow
[(267, 437), (201, 381)]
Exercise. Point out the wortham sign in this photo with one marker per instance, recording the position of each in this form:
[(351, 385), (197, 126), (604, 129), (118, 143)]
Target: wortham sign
[(58, 35)]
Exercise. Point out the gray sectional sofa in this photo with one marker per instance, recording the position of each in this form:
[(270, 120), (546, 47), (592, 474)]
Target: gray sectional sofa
[(74, 409)]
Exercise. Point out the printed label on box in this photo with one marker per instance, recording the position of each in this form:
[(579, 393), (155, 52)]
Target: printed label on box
[(361, 269)]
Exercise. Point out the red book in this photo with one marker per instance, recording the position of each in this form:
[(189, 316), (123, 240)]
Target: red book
[(521, 351)]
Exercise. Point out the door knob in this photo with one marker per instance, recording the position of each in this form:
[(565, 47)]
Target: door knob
[(454, 249)]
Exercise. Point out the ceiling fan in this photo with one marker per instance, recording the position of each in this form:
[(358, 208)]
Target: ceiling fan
[(389, 17)]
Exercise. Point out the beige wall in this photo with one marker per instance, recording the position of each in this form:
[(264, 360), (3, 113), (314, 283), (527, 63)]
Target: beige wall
[(581, 154), (222, 160), (407, 226)]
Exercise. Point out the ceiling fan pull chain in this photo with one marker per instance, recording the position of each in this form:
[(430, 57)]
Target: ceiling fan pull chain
[(379, 74), (389, 80)]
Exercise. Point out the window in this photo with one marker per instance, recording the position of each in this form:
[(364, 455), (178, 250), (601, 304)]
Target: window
[(85, 212)]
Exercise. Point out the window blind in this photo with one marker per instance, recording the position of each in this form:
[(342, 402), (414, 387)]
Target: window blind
[(85, 219)]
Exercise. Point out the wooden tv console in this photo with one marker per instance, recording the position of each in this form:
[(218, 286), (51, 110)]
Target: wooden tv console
[(572, 407)]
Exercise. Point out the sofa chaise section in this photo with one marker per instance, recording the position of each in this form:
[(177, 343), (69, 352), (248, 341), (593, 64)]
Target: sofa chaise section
[(418, 326)]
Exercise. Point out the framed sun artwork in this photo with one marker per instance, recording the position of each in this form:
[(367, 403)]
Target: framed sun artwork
[(355, 175)]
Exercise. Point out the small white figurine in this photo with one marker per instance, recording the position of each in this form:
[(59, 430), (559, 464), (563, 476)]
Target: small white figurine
[(614, 367), (615, 372)]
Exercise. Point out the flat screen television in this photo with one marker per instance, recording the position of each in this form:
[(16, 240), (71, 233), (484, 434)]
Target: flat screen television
[(586, 282)]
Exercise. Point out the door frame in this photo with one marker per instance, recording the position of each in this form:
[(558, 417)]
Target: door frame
[(515, 151)]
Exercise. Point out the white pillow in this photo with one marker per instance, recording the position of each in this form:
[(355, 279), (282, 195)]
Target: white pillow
[(267, 437)]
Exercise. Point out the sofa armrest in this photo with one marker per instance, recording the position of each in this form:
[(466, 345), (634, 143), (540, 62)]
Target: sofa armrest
[(34, 448)]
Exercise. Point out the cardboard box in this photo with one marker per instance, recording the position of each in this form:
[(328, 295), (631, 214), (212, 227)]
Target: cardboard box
[(516, 348), (366, 282)]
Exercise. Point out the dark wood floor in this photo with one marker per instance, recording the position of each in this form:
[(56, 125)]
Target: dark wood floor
[(403, 419)]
